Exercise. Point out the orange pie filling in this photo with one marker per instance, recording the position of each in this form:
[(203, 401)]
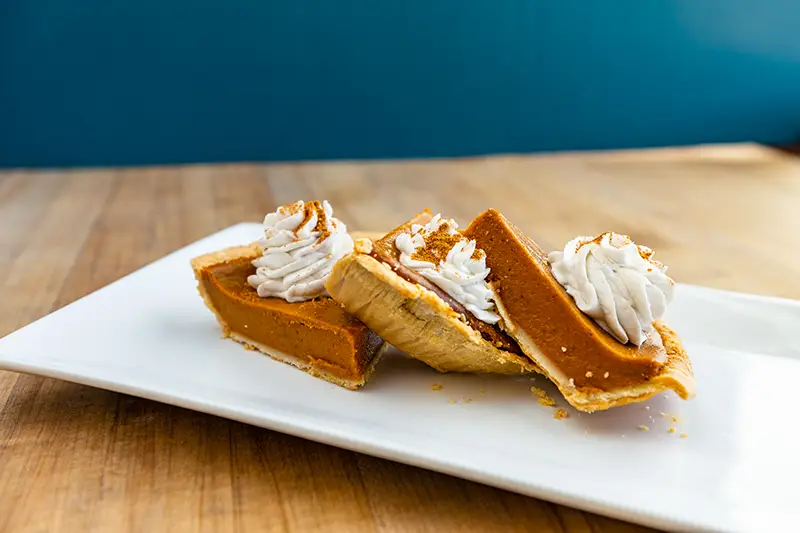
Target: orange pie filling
[(270, 296), (318, 332), (385, 250), (578, 351)]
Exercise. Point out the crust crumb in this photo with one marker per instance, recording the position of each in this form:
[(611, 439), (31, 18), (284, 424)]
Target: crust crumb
[(542, 397), (684, 435), (560, 414), (363, 246), (547, 401), (436, 386), (672, 430), (644, 428), (452, 400)]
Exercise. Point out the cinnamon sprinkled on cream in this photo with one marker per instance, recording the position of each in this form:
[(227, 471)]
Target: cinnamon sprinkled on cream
[(592, 271), (302, 241), (437, 244), (313, 208), (441, 254)]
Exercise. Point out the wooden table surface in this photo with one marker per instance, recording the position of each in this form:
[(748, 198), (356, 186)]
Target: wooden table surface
[(74, 458)]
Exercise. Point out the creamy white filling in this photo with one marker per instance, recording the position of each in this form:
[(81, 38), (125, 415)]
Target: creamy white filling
[(615, 282), (460, 275), (298, 258)]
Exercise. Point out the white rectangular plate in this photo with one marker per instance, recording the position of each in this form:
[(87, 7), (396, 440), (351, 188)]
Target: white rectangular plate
[(150, 335)]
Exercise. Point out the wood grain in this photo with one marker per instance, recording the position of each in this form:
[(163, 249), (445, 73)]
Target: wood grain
[(74, 458)]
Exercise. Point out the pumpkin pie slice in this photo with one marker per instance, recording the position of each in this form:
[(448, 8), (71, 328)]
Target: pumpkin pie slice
[(313, 332), (395, 296), (617, 356)]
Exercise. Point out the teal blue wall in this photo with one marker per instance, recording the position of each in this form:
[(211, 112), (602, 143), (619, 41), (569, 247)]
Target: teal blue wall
[(109, 82)]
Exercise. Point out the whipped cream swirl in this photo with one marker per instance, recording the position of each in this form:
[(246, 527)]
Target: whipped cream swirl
[(461, 272), (615, 282), (302, 243)]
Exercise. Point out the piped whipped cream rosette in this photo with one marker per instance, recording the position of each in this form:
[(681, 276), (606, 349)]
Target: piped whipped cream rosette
[(302, 242), (615, 282), (443, 256)]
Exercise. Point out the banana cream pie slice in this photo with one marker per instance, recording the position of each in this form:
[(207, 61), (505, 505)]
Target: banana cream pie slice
[(589, 316), (270, 296), (422, 287)]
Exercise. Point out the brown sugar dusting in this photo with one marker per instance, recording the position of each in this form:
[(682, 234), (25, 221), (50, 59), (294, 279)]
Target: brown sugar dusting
[(645, 252), (437, 244), (312, 208), (291, 209), (596, 240)]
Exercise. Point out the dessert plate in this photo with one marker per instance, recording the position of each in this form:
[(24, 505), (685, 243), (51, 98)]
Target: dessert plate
[(731, 463)]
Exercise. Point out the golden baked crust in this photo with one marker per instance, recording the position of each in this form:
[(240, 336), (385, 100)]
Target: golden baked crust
[(317, 372), (252, 251), (676, 374), (415, 319), (226, 255)]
